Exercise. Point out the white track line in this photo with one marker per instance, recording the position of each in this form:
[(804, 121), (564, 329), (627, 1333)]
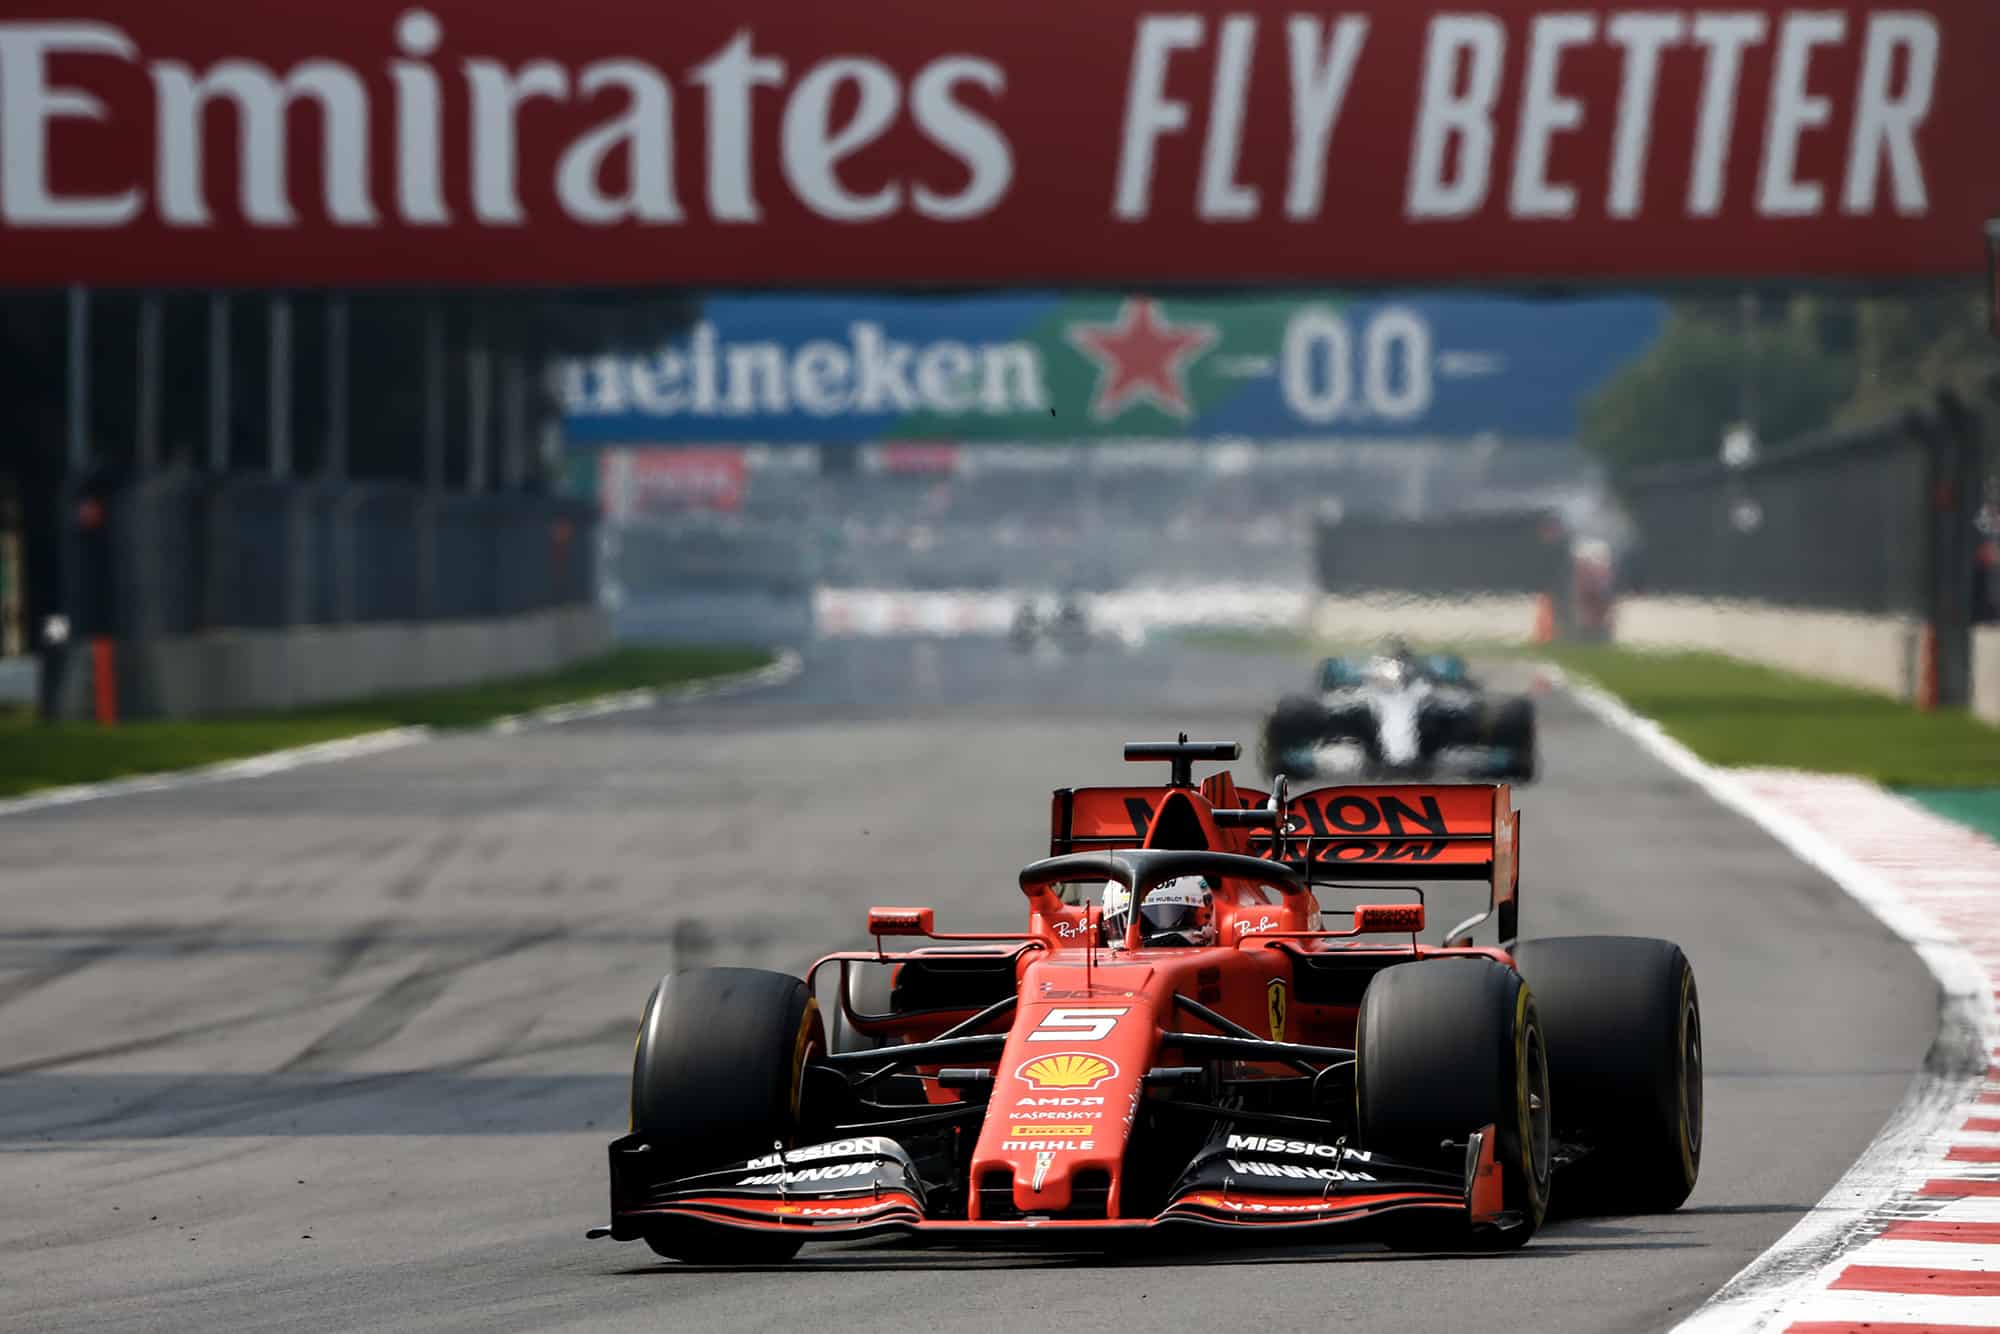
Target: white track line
[(781, 669), (1787, 1279), (1928, 1255), (1879, 1308)]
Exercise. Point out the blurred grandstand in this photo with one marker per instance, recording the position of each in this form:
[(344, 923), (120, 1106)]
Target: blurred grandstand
[(999, 519)]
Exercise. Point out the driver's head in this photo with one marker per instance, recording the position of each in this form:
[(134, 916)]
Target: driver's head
[(1177, 912), (1390, 673)]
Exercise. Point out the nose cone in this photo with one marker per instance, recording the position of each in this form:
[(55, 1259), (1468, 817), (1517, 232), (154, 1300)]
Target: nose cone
[(1065, 1090)]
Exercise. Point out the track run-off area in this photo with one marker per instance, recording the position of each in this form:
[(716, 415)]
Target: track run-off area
[(340, 1047)]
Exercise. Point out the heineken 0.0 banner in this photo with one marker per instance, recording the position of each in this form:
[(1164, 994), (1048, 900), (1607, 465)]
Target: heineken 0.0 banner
[(1048, 367)]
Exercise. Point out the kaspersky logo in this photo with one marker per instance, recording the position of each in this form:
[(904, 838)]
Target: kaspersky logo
[(1142, 356)]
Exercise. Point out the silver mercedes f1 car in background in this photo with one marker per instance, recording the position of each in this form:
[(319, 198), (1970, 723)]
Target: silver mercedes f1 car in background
[(1401, 714)]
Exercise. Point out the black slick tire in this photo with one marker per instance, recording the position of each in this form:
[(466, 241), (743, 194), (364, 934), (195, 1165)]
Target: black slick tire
[(1298, 722), (1623, 1021), (1514, 728), (1442, 1048), (717, 1078)]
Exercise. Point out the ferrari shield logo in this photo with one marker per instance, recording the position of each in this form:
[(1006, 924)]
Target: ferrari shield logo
[(1044, 1160), (1274, 1003)]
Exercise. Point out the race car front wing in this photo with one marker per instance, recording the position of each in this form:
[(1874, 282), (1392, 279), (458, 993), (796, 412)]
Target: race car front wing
[(868, 1185)]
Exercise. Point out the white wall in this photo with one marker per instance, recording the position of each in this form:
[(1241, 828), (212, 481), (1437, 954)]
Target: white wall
[(1872, 652), (1499, 616), (1986, 672), (259, 671), (18, 677)]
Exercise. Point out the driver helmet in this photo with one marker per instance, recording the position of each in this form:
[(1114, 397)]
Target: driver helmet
[(1391, 673), (1177, 912)]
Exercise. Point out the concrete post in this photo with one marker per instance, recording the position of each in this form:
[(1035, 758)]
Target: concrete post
[(479, 404), (79, 379), (280, 425), (434, 395), (218, 382), (148, 443), (513, 421), (334, 465)]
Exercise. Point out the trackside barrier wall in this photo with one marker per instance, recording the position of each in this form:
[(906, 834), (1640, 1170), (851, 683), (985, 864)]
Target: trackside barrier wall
[(247, 594), (235, 671), (1504, 617), (1835, 556), (191, 553), (1872, 652), (1986, 672)]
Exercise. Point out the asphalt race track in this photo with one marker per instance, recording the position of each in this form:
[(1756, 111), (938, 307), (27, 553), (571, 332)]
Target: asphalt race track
[(340, 1048)]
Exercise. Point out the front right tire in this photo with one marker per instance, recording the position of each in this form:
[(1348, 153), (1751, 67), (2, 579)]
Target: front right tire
[(1514, 728), (1297, 724), (718, 1077)]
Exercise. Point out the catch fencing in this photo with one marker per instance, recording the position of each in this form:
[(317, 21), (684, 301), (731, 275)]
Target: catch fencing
[(178, 555), (1875, 521), (1443, 556)]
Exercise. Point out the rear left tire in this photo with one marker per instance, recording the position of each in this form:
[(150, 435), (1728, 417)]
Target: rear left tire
[(1623, 1022)]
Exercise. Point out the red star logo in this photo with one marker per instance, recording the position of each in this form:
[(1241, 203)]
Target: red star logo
[(1142, 356)]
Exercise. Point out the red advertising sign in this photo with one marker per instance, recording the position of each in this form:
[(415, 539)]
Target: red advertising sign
[(920, 457), (769, 142), (633, 482)]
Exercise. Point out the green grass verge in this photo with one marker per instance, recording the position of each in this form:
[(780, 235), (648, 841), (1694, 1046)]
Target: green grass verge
[(36, 755), (1737, 713)]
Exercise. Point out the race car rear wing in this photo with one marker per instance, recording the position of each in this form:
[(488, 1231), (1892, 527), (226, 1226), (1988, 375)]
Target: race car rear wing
[(1447, 831), (1330, 835)]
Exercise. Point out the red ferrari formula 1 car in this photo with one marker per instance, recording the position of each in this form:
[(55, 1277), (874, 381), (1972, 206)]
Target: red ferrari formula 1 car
[(1266, 1064)]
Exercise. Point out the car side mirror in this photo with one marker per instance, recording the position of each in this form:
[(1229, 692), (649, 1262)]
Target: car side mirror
[(1389, 917), (901, 921)]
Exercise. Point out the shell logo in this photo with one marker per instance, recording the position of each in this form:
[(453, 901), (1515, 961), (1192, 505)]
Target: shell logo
[(1068, 1070)]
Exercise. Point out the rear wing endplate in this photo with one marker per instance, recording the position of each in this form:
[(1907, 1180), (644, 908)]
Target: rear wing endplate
[(1455, 831)]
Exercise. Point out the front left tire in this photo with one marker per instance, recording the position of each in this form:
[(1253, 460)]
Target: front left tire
[(1442, 1048)]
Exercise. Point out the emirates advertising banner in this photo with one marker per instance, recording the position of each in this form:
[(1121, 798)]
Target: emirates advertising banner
[(881, 143), (1050, 366)]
